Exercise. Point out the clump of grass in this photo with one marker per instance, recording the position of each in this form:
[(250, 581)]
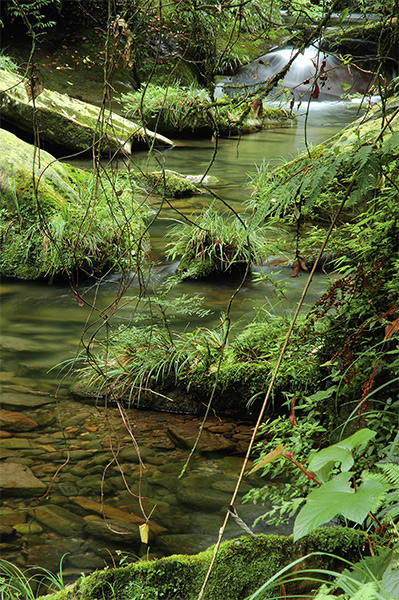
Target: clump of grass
[(16, 584), (213, 244), (7, 63)]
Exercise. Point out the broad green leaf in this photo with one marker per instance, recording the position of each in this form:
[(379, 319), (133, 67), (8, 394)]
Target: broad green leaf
[(390, 578), (336, 497), (322, 505), (323, 461), (276, 453)]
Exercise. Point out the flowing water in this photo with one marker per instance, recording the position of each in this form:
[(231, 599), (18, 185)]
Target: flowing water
[(78, 471)]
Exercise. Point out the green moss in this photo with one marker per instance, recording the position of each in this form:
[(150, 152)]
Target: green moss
[(241, 567), (54, 222), (179, 111), (168, 183)]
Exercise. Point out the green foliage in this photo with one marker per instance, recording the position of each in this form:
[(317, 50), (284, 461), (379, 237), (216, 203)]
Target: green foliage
[(337, 497), (371, 578), (7, 63), (310, 188), (16, 584), (212, 244), (324, 461), (338, 493), (33, 12)]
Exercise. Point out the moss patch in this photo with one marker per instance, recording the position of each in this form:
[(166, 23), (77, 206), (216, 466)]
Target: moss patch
[(241, 567), (53, 220), (68, 122)]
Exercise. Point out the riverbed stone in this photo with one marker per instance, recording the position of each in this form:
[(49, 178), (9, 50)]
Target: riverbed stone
[(89, 561), (12, 517), (18, 480), (68, 489), (184, 543), (28, 528), (185, 436), (49, 554), (5, 434), (111, 512), (60, 520), (196, 491), (114, 531), (11, 399)]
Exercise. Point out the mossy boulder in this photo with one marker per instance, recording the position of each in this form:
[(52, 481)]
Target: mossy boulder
[(54, 219), (184, 111), (242, 566), (67, 122), (167, 183)]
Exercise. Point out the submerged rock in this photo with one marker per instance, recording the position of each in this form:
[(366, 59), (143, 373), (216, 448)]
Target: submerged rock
[(185, 436), (18, 480), (12, 421), (62, 521), (114, 531)]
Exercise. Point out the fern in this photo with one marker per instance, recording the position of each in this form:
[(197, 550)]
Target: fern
[(388, 504)]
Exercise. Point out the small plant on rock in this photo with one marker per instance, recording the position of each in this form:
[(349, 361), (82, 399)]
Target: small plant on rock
[(211, 244)]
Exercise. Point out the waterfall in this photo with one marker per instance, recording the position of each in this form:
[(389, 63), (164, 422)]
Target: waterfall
[(315, 72)]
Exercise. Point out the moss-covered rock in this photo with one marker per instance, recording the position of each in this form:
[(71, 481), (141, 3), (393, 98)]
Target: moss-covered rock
[(182, 111), (242, 566), (167, 183), (54, 220), (67, 122)]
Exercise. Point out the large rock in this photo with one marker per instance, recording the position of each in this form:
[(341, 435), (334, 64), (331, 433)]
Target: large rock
[(18, 480), (50, 222), (241, 567), (12, 421), (66, 121)]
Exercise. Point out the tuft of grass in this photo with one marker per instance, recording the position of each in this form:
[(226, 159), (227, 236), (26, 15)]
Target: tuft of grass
[(29, 584), (212, 243), (7, 63)]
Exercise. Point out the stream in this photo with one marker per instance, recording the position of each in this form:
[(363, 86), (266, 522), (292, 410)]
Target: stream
[(80, 486)]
